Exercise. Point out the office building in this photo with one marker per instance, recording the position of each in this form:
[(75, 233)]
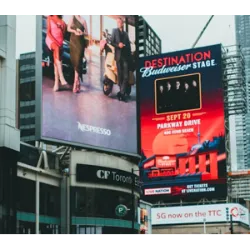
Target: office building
[(234, 82), (9, 134), (240, 185), (26, 100), (242, 25), (149, 42)]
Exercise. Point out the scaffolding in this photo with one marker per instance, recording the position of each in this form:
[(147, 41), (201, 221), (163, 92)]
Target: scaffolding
[(235, 103)]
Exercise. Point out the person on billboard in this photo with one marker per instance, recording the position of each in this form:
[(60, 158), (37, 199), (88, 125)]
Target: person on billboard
[(187, 97), (169, 97), (56, 28), (161, 99), (77, 26), (120, 40), (195, 95), (177, 97)]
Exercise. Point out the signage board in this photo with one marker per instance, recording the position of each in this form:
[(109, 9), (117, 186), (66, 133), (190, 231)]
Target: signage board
[(105, 176), (121, 210), (197, 214)]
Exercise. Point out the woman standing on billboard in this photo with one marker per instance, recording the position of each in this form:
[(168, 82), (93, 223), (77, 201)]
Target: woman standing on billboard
[(56, 28), (78, 28)]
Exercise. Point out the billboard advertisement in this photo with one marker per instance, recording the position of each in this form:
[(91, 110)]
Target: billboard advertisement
[(199, 214), (89, 81), (182, 124)]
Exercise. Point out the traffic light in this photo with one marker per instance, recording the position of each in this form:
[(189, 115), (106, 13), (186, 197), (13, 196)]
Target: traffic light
[(227, 214)]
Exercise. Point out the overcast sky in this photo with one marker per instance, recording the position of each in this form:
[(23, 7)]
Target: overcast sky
[(176, 32)]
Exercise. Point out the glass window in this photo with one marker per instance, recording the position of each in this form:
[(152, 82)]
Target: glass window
[(27, 91), (27, 132), (89, 230), (100, 203), (49, 229), (50, 200), (24, 227), (26, 195)]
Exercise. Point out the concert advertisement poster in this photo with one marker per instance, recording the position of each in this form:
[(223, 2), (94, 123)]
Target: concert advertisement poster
[(182, 125)]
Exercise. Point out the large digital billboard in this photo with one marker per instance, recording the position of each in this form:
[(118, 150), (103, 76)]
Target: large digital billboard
[(89, 81), (182, 124)]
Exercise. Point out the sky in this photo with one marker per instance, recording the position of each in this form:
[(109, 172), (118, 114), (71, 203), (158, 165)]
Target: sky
[(176, 32)]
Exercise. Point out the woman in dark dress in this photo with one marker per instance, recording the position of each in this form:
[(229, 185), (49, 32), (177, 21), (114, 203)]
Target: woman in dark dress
[(78, 28)]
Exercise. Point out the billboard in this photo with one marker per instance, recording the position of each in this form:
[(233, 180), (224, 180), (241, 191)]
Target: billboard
[(182, 124), (88, 90), (197, 214)]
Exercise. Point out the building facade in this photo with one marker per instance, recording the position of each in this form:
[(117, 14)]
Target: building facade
[(9, 134), (222, 228), (82, 200), (235, 103), (38, 196), (240, 185), (149, 42), (224, 218), (26, 98), (242, 25), (99, 183)]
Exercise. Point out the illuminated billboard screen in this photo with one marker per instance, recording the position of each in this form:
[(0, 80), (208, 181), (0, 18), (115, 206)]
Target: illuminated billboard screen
[(89, 81), (182, 124)]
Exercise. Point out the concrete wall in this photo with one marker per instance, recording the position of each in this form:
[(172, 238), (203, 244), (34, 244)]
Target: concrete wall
[(9, 135), (103, 160), (199, 229)]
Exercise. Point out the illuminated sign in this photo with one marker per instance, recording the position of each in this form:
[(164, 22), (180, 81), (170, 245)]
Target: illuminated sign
[(182, 122)]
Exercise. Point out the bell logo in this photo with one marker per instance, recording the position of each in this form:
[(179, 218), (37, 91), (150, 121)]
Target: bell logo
[(166, 158), (235, 212), (102, 174)]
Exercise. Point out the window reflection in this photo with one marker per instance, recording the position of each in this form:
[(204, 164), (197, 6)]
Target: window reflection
[(25, 195), (28, 155), (49, 200), (90, 202)]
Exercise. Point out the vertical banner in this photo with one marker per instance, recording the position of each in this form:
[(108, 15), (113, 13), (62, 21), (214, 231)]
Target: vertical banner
[(182, 123)]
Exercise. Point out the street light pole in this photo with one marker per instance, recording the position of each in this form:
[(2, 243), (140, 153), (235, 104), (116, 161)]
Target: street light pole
[(133, 202), (204, 226), (231, 224)]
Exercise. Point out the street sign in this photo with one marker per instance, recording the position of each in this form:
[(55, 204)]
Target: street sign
[(121, 210)]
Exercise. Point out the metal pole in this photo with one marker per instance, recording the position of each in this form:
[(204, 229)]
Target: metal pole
[(204, 29), (68, 199), (133, 202), (231, 224), (37, 203), (204, 225)]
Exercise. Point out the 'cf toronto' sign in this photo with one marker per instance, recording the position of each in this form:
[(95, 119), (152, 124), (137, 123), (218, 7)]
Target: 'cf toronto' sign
[(106, 176)]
